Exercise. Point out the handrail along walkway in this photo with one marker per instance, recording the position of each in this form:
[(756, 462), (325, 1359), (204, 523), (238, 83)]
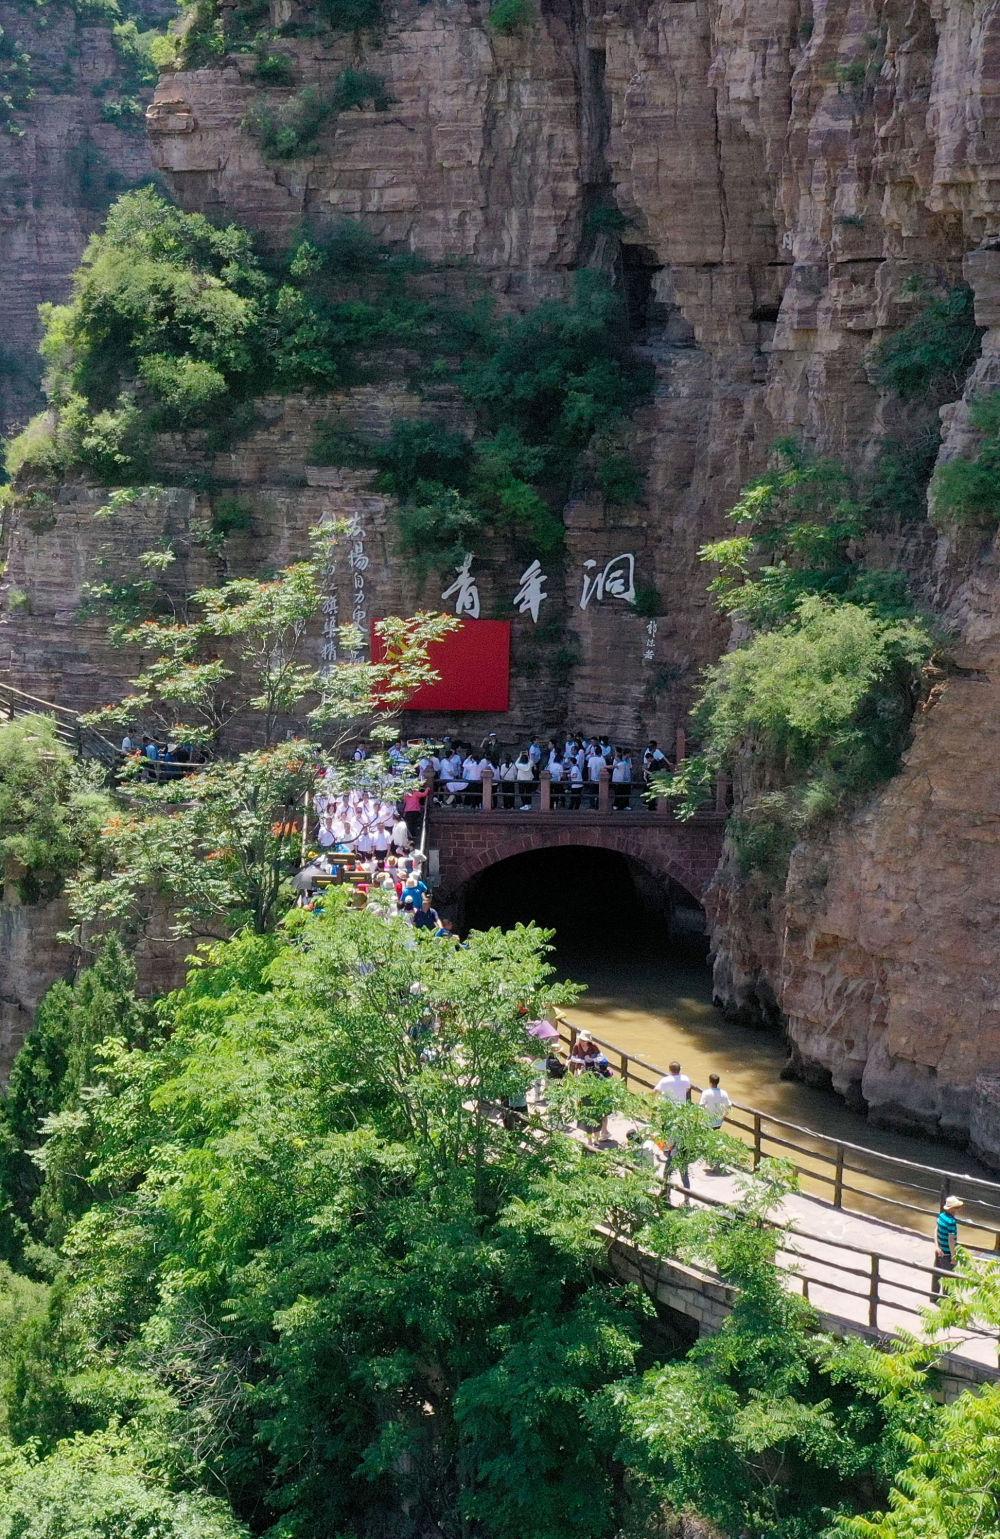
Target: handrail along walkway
[(837, 1153), (868, 1279)]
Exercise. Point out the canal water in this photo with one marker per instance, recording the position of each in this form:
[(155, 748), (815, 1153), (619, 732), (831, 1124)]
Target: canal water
[(656, 1003), (652, 997)]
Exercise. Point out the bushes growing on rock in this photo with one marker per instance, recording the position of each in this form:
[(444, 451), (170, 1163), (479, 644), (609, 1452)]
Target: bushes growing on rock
[(293, 129), (812, 712), (967, 491), (176, 323), (932, 355), (51, 809), (511, 16)]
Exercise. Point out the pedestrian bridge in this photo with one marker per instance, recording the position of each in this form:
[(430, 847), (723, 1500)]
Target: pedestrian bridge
[(857, 1237), (464, 840)]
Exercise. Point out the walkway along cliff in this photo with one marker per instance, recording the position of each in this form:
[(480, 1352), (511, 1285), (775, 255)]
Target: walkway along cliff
[(775, 189)]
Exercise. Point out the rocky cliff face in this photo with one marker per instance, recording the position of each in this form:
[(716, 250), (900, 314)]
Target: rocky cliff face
[(71, 141), (784, 170)]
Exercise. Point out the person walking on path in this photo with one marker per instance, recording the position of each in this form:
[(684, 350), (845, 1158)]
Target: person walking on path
[(946, 1240), (674, 1086), (715, 1103)]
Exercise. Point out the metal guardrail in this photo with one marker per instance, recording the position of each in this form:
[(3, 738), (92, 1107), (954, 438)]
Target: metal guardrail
[(831, 1161)]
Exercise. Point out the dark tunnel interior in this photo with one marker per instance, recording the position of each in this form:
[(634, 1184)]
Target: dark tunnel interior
[(593, 899)]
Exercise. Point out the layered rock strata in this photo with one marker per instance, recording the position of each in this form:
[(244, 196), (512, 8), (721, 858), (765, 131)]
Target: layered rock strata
[(786, 172)]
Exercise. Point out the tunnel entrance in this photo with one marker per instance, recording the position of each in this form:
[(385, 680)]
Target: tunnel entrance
[(597, 901)]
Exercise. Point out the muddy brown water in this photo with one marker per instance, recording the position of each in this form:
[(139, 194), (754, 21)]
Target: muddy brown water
[(657, 1005)]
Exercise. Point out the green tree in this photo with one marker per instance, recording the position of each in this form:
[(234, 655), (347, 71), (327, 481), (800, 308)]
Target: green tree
[(97, 1488), (766, 1427), (50, 1077), (219, 854), (949, 1485), (51, 807)]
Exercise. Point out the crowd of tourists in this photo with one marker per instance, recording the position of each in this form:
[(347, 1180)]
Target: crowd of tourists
[(575, 763), (161, 758)]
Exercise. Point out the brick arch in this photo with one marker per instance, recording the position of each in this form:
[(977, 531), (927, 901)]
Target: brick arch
[(683, 853)]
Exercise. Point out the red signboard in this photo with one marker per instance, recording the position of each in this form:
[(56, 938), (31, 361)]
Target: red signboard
[(473, 664)]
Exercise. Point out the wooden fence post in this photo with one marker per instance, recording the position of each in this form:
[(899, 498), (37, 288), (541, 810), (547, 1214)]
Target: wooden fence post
[(604, 791), (756, 1139), (545, 791), (873, 1292), (838, 1178), (487, 790)]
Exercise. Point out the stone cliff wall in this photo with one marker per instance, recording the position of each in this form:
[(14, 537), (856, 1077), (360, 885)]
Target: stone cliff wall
[(786, 169), (64, 157)]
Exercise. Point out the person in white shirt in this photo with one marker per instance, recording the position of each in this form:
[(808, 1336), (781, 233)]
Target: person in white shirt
[(595, 764), (127, 744), (556, 779), (524, 776), (400, 836), (674, 1086), (715, 1102), (621, 779), (471, 770), (575, 785)]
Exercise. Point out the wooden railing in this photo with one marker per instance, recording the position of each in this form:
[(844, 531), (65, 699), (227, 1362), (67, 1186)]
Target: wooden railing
[(83, 740), (546, 795), (831, 1162), (877, 1300)]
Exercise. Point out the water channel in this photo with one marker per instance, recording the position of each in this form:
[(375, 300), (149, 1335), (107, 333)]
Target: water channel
[(653, 998)]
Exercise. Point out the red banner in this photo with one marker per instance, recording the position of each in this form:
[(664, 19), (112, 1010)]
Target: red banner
[(473, 664)]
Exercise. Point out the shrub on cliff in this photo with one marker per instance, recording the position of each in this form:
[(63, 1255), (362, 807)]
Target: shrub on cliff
[(932, 355), (967, 491), (509, 17), (51, 808), (806, 717)]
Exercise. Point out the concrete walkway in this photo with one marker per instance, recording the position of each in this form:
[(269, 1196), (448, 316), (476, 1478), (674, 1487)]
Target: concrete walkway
[(839, 1280)]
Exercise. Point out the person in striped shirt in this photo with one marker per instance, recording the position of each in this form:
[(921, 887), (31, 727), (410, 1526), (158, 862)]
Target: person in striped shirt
[(947, 1240)]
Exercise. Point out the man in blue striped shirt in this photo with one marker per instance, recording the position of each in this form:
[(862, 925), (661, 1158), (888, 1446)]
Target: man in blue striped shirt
[(947, 1240)]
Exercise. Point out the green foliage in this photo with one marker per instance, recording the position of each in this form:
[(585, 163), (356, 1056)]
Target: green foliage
[(98, 1489), (178, 324), (51, 808), (359, 88), (16, 90), (44, 1107), (223, 855), (812, 712), (648, 601), (508, 17), (351, 15), (931, 356), (967, 491), (541, 385), (618, 478), (274, 68), (605, 218), (764, 1429), (312, 1272), (824, 703), (292, 129)]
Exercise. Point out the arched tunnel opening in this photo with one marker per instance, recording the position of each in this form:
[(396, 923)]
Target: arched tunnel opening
[(601, 904), (634, 939)]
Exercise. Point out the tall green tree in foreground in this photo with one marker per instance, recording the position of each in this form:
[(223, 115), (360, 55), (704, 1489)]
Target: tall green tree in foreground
[(315, 1274)]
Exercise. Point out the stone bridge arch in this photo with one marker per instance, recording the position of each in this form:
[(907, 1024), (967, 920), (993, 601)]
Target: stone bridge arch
[(465, 844)]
